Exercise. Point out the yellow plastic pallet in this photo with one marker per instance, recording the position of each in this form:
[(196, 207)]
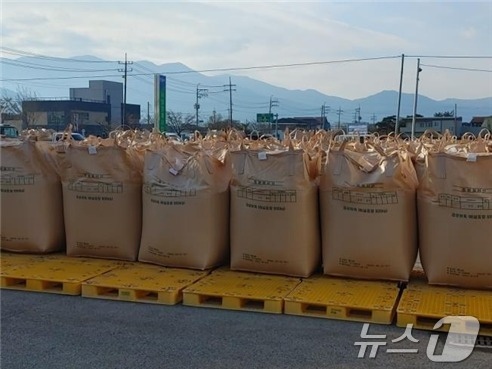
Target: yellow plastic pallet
[(232, 290), (423, 306), (54, 273), (344, 299), (142, 283)]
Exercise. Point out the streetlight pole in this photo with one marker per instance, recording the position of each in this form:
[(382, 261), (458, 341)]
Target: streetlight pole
[(416, 98)]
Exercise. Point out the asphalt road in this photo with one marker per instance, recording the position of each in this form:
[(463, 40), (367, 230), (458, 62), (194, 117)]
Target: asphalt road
[(53, 331)]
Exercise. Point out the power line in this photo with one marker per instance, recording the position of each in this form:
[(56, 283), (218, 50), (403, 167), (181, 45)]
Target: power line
[(11, 51), (450, 56), (24, 64), (457, 68), (143, 68), (271, 66), (58, 78)]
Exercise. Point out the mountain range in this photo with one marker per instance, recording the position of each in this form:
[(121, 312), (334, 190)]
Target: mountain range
[(51, 78)]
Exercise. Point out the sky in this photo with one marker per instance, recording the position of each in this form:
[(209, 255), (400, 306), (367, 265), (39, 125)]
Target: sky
[(208, 35)]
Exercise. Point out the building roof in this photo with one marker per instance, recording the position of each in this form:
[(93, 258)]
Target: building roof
[(479, 120)]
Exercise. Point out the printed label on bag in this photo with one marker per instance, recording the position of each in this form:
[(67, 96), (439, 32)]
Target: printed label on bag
[(168, 202), (463, 273), (352, 263), (14, 238), (90, 246), (266, 195), (166, 255), (466, 202), (257, 260), (173, 171), (163, 189), (472, 157), (262, 155), (15, 176), (364, 197), (92, 150)]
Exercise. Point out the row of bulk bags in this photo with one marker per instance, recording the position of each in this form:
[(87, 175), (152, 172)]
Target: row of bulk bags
[(367, 202), (31, 198)]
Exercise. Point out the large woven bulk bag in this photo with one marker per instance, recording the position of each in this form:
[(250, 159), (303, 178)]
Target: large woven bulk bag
[(102, 200), (31, 199), (455, 218), (368, 213), (274, 213), (185, 202)]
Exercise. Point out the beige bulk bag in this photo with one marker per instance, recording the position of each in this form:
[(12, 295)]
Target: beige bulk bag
[(31, 199), (274, 213), (455, 219), (368, 213), (185, 202), (102, 200)]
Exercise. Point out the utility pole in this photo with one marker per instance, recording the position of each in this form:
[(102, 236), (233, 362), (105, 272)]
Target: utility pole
[(339, 112), (397, 124), (273, 103), (325, 109), (357, 115), (416, 98), (276, 126), (230, 89), (215, 119), (373, 118), (125, 71), (455, 119), (148, 112), (200, 92)]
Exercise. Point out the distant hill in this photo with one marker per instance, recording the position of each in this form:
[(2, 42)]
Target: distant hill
[(251, 96)]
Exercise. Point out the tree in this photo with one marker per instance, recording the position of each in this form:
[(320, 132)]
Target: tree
[(177, 123), (386, 125), (444, 114), (13, 105)]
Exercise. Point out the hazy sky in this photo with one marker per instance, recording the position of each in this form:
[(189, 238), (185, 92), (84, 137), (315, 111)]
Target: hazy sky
[(231, 34)]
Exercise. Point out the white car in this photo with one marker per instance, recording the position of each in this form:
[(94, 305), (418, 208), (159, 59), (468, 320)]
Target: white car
[(172, 136), (74, 136)]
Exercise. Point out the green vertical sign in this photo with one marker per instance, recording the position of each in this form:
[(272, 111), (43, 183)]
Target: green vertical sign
[(160, 102)]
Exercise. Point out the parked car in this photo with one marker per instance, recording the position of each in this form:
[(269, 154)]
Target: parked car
[(172, 136), (57, 136), (350, 137)]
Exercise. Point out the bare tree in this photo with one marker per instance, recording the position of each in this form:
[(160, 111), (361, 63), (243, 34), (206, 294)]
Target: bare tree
[(177, 123), (13, 105), (259, 126)]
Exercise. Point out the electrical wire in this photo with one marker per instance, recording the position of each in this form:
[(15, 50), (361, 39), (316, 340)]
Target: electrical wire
[(41, 67), (11, 51), (450, 56), (233, 68), (456, 68)]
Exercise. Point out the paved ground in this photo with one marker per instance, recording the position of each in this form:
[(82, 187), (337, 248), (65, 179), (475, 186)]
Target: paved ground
[(52, 331)]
